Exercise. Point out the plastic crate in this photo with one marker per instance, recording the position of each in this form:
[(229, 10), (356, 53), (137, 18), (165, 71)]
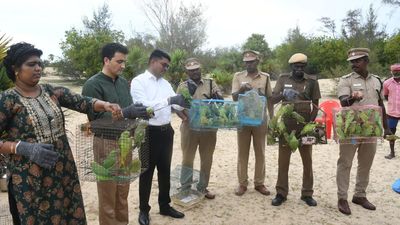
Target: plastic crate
[(213, 114), (251, 108), (106, 150), (364, 124)]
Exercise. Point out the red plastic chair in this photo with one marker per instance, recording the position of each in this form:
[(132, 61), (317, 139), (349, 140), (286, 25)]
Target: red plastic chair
[(327, 106)]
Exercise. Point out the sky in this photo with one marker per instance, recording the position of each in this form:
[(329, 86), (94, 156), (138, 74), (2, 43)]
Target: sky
[(229, 22)]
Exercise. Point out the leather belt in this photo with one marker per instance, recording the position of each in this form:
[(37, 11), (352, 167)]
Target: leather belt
[(164, 127)]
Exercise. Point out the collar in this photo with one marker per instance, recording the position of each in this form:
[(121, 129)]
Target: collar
[(258, 74), (201, 81), (305, 76), (356, 75), (105, 77), (151, 76)]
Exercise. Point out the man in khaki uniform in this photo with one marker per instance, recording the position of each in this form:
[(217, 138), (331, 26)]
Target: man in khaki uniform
[(199, 88), (357, 88), (244, 81), (300, 89)]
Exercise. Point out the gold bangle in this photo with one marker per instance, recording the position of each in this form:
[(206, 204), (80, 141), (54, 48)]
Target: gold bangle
[(13, 149)]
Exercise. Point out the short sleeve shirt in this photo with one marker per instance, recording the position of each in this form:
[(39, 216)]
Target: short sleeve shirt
[(308, 84), (370, 87), (391, 88), (261, 82), (202, 89)]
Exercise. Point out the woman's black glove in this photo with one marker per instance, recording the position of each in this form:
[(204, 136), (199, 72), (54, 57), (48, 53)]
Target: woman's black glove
[(42, 154)]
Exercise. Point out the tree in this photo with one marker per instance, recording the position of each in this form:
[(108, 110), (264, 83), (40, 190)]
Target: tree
[(327, 54), (257, 42), (391, 2), (81, 48), (183, 29), (392, 49), (352, 27), (5, 82), (328, 26)]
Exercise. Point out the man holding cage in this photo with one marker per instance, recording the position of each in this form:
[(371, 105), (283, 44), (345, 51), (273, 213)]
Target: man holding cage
[(242, 82), (108, 85), (198, 88), (296, 87)]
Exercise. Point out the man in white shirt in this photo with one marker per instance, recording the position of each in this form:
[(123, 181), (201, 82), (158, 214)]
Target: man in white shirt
[(152, 90)]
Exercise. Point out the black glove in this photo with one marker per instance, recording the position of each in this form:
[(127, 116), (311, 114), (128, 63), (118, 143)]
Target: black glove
[(136, 110), (178, 100), (42, 154), (290, 94)]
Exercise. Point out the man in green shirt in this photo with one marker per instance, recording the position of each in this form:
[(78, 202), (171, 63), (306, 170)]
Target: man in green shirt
[(107, 85)]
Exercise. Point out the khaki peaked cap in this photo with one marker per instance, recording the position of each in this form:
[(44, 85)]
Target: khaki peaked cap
[(356, 53), (250, 55), (298, 58), (192, 64)]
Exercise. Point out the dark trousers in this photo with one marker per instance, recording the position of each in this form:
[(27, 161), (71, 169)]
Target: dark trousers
[(160, 144), (13, 205)]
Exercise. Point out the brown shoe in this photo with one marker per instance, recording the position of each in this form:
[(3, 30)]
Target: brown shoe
[(209, 194), (343, 207), (363, 201), (262, 189), (240, 190)]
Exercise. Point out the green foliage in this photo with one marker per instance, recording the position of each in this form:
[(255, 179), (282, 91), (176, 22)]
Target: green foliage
[(326, 54), (81, 48), (392, 49), (176, 71), (257, 42), (5, 82), (136, 63), (223, 79)]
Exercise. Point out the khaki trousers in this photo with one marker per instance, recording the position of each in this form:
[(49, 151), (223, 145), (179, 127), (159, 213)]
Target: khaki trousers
[(190, 140), (282, 185), (365, 157), (113, 197), (244, 138)]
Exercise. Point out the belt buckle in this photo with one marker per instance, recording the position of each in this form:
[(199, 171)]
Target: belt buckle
[(164, 128)]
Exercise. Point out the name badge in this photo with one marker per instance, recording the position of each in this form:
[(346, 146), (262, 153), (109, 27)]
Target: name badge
[(288, 85), (357, 85)]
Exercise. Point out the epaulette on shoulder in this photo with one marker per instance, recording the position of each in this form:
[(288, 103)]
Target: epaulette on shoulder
[(347, 76), (284, 75), (378, 77), (311, 77)]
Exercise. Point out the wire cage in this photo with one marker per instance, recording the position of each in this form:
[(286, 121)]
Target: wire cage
[(183, 189), (5, 215), (358, 124), (300, 131), (108, 150), (208, 114), (251, 108)]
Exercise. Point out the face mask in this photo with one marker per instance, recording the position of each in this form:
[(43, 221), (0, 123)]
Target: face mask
[(396, 74)]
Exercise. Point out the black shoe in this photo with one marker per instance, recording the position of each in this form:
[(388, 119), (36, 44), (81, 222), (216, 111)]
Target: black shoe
[(309, 200), (172, 213), (278, 200), (144, 218)]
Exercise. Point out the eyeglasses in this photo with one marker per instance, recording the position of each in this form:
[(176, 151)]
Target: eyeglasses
[(165, 65)]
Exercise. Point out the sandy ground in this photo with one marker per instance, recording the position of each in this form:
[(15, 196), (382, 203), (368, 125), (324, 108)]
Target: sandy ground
[(254, 208)]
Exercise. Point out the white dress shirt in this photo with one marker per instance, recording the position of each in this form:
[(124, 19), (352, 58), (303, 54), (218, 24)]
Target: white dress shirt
[(153, 92)]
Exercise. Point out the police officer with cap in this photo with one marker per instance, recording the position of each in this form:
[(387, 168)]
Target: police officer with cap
[(301, 90), (242, 82), (199, 88), (358, 88)]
